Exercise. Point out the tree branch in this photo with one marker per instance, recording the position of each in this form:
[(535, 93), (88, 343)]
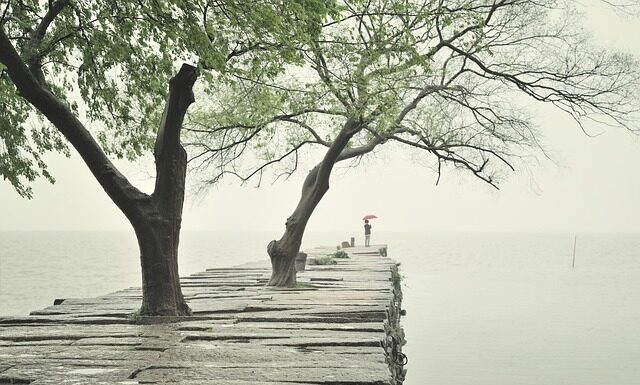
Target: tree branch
[(34, 58), (350, 128), (171, 158), (353, 152), (121, 191), (4, 14), (180, 98)]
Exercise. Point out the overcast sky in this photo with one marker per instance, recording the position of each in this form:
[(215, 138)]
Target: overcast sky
[(592, 185)]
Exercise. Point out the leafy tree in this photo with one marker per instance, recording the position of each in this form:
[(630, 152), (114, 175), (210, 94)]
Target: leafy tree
[(93, 74), (444, 77)]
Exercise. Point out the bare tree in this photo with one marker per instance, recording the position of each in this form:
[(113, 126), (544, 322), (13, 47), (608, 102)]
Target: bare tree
[(443, 77)]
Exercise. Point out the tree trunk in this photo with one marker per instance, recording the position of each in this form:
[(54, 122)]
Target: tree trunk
[(156, 218), (158, 233), (284, 251), (283, 261), (158, 226), (161, 292)]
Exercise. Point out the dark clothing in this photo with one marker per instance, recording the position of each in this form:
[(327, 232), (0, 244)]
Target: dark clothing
[(367, 229)]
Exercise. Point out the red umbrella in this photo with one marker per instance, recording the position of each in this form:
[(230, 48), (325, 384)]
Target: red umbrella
[(370, 216)]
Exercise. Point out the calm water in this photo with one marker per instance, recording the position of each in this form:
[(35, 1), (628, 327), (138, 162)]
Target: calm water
[(483, 309)]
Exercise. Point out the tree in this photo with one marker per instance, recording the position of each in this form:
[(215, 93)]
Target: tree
[(106, 63), (441, 77)]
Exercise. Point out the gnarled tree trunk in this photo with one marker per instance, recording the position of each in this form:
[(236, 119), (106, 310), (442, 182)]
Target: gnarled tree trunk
[(157, 228), (161, 292), (156, 218), (283, 252), (159, 220)]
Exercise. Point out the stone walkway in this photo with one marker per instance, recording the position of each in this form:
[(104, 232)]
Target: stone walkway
[(340, 327)]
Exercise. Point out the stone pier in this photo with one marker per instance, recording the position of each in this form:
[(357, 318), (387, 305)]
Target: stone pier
[(340, 326)]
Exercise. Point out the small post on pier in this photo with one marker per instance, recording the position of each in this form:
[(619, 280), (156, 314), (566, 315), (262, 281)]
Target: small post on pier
[(353, 241), (573, 262)]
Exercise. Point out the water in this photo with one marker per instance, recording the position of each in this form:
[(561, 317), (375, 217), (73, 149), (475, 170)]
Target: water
[(483, 309)]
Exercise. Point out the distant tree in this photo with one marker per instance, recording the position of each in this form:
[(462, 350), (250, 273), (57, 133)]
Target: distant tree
[(443, 77), (72, 69)]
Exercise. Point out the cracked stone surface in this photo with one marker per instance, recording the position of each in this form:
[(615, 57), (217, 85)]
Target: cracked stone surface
[(241, 332)]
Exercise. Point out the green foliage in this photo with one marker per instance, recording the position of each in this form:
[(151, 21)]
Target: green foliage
[(110, 61), (367, 62), (442, 77), (20, 146), (340, 254)]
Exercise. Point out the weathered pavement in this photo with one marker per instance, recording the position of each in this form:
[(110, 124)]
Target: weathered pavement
[(342, 326)]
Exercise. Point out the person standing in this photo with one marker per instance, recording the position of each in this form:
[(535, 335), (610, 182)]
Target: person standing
[(367, 232)]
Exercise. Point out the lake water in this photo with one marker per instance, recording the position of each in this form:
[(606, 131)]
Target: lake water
[(482, 308)]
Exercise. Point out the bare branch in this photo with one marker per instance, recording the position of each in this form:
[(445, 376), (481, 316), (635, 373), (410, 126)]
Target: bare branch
[(3, 18), (34, 58), (444, 77)]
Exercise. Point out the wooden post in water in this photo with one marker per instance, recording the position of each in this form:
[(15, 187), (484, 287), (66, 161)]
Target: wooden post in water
[(573, 262)]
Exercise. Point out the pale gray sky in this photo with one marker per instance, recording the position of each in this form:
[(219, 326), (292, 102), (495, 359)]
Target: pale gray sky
[(594, 187)]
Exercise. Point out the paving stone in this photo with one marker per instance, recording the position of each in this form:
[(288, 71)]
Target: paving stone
[(241, 332)]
